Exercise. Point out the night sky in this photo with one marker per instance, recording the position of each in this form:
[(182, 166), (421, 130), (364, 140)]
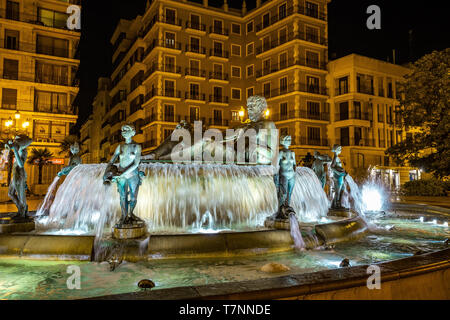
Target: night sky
[(347, 34)]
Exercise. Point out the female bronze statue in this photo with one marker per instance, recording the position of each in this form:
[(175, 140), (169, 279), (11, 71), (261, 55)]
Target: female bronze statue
[(338, 177), (127, 176)]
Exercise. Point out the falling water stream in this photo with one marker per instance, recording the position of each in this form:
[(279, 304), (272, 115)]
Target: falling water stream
[(296, 235), (49, 197), (182, 198)]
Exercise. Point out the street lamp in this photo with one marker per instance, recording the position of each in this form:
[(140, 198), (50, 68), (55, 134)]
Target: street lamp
[(9, 122), (17, 115)]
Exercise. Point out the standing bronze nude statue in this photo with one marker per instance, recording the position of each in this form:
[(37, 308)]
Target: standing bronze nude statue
[(18, 187), (338, 177), (318, 167), (285, 179), (127, 176)]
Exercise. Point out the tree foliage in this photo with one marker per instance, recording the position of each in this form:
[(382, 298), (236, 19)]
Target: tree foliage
[(40, 157), (67, 142), (424, 109)]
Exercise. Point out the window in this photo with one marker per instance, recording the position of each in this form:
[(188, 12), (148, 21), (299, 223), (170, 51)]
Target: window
[(218, 71), (266, 20), (236, 28), (312, 59), (312, 34), (169, 88), (266, 43), (218, 26), (235, 116), (284, 132), (343, 110), (250, 71), (342, 85), (236, 50), (235, 72), (312, 9), (169, 64), (194, 44), (170, 16), (282, 36), (250, 92), (250, 48), (218, 48), (282, 11), (345, 136), (217, 94), (169, 112), (313, 110), (169, 40), (314, 136), (217, 117), (51, 73), (266, 89), (194, 91), (194, 114), (167, 133), (282, 58), (194, 67), (250, 27), (235, 94), (52, 46), (364, 83), (12, 10), (11, 69), (9, 98), (50, 102), (12, 39), (357, 107), (195, 21), (283, 111), (52, 18), (266, 66), (390, 91), (381, 87), (283, 85), (312, 84)]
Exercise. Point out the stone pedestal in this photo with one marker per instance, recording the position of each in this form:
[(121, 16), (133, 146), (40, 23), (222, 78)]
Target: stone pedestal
[(280, 224), (129, 231), (9, 225), (340, 212)]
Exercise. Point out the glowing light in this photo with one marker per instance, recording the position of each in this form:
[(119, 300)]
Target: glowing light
[(17, 115), (26, 124), (9, 122), (241, 112), (421, 219), (372, 198), (267, 113)]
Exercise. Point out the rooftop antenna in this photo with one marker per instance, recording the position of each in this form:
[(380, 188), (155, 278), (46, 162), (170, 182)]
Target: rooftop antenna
[(393, 56)]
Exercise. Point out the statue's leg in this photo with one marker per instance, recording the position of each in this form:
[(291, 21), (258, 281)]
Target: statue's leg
[(282, 197), (290, 187), (22, 196), (12, 194), (122, 188), (134, 184)]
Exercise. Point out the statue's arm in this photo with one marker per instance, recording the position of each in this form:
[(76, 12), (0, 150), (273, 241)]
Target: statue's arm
[(114, 157), (17, 156), (293, 158), (137, 161)]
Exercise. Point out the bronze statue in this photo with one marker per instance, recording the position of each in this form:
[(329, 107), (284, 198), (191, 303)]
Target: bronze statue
[(285, 179), (263, 152), (338, 177), (318, 166), (127, 176), (18, 187), (74, 160)]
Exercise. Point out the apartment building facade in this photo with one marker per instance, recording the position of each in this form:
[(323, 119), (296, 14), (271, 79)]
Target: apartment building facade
[(364, 94), (37, 75), (189, 61)]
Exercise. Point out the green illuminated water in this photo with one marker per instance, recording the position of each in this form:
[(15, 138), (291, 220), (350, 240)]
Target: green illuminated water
[(26, 279)]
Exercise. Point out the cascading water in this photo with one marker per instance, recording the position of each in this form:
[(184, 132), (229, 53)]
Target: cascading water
[(354, 196), (44, 207), (296, 235), (182, 197)]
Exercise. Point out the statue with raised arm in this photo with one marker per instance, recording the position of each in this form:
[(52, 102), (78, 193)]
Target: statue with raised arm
[(74, 160), (285, 179), (127, 176), (338, 177), (18, 187), (318, 166), (265, 139)]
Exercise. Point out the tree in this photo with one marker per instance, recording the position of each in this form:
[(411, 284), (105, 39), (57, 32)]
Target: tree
[(307, 160), (67, 142), (9, 158), (40, 157), (424, 109)]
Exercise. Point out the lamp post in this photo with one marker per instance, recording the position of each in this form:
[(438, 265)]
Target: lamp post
[(10, 123)]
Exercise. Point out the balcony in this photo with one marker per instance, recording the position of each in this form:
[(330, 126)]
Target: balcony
[(219, 53), (290, 37), (195, 49), (302, 114), (219, 31), (169, 68), (217, 122), (354, 142), (290, 63), (380, 117), (195, 26), (35, 19), (48, 108), (340, 116), (306, 141), (164, 44), (149, 144), (218, 76), (301, 87), (218, 99), (381, 144), (365, 89), (195, 72), (322, 116), (317, 14), (194, 96)]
